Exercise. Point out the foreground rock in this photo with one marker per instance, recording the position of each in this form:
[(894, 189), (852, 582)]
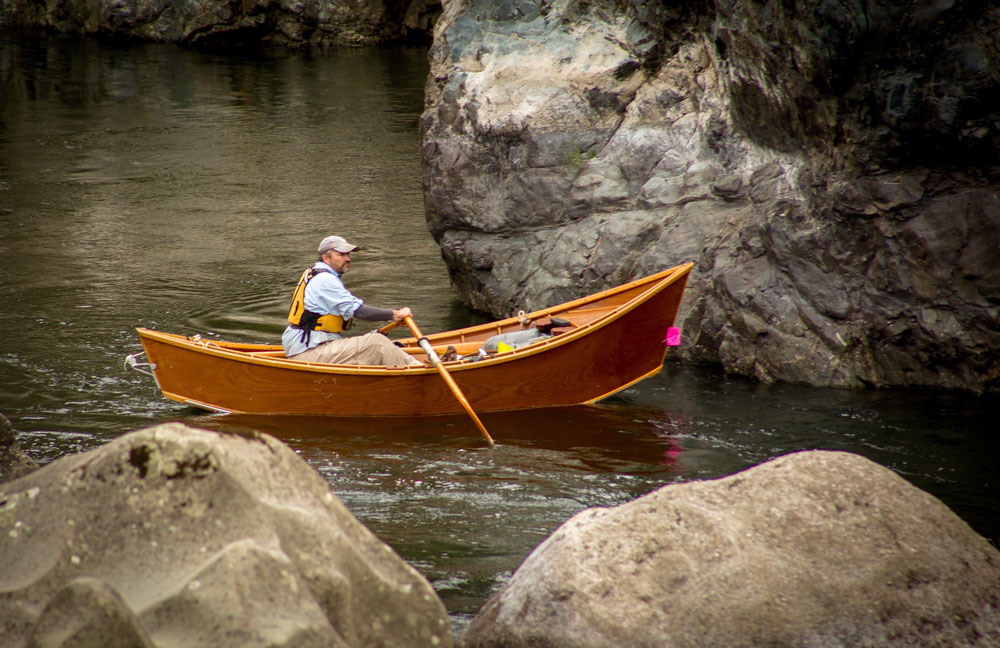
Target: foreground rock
[(249, 22), (811, 549), (179, 537), (832, 169), (14, 462)]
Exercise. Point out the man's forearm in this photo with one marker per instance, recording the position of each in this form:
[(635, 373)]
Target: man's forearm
[(372, 314)]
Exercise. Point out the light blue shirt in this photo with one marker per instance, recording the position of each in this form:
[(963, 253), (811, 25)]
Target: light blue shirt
[(325, 294)]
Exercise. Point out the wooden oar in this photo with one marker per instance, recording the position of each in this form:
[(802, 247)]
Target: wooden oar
[(385, 328), (436, 361)]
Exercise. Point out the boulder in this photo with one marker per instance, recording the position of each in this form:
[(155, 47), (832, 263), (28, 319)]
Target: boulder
[(14, 462), (832, 170), (816, 548), (173, 536)]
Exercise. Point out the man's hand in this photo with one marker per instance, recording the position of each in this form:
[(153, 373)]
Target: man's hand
[(398, 315)]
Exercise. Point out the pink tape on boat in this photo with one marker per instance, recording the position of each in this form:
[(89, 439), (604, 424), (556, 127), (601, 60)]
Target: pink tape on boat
[(673, 336)]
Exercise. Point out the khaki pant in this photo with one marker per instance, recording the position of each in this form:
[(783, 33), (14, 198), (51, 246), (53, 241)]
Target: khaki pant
[(368, 349)]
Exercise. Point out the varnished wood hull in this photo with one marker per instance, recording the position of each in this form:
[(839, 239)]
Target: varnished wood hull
[(617, 340)]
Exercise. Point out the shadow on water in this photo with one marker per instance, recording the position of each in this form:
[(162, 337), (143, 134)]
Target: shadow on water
[(614, 430)]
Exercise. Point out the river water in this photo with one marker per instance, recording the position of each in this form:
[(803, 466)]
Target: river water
[(149, 185)]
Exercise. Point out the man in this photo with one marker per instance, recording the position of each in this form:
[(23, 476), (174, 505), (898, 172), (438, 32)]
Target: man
[(322, 308)]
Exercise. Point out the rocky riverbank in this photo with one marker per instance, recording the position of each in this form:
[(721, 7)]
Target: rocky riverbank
[(173, 536), (252, 23)]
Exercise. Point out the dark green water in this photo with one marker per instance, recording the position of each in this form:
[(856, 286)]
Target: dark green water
[(152, 186)]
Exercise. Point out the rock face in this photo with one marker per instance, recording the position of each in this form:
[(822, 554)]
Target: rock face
[(179, 537), (811, 549), (14, 462), (291, 23), (833, 170)]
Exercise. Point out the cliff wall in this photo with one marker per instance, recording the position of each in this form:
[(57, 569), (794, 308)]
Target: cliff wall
[(831, 168)]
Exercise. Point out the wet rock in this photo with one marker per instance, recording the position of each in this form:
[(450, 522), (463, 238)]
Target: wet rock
[(173, 536), (289, 23), (832, 171), (811, 549), (14, 462)]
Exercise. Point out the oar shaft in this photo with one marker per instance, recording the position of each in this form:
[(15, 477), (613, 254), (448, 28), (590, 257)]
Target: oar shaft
[(464, 402), (436, 361), (385, 328)]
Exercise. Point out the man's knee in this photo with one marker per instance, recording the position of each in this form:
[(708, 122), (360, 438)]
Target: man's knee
[(380, 339), (392, 353)]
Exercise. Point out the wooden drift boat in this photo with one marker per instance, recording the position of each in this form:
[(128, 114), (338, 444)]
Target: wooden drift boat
[(613, 339)]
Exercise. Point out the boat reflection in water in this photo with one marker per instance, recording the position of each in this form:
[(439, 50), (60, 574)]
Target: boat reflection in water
[(602, 438)]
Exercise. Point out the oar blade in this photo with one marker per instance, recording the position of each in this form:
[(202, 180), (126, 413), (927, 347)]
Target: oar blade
[(452, 385)]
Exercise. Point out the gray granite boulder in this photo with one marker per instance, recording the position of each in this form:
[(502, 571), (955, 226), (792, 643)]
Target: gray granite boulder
[(812, 549), (832, 169), (173, 536)]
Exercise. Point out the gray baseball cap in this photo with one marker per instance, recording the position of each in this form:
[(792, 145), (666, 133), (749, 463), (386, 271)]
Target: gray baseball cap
[(338, 243)]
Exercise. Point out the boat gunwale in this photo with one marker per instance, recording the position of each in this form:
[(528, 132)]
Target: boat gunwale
[(659, 282)]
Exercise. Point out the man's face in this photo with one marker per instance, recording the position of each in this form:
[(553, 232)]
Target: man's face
[(339, 261)]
